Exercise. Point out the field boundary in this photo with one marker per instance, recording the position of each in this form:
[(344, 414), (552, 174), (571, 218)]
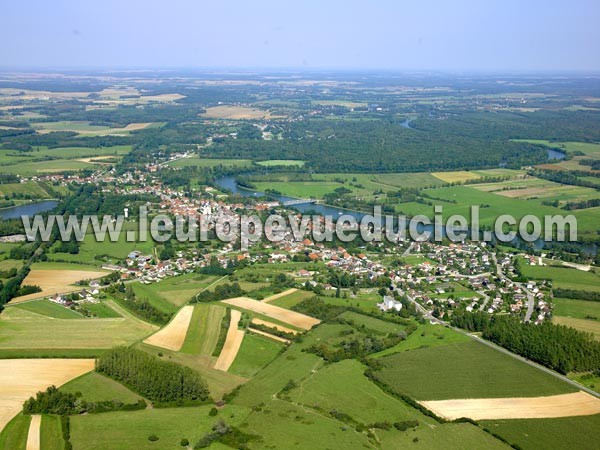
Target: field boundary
[(33, 435)]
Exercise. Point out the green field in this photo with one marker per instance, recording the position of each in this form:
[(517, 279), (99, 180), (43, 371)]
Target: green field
[(209, 162), (292, 299), (563, 277), (578, 309), (281, 162), (255, 353), (371, 323), (51, 433), (203, 332), (426, 335), (343, 387), (28, 169), (588, 326), (465, 370), (30, 188), (14, 434), (581, 433), (130, 430), (101, 310), (49, 309), (21, 329), (95, 388)]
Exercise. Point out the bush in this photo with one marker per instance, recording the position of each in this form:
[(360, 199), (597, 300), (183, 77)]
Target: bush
[(213, 412), (184, 442), (153, 438)]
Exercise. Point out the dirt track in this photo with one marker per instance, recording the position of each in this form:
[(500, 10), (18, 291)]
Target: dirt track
[(564, 405), (281, 314), (56, 282), (22, 378), (232, 342), (172, 336)]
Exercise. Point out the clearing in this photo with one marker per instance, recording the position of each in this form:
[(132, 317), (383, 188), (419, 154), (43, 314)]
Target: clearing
[(173, 334), (22, 378)]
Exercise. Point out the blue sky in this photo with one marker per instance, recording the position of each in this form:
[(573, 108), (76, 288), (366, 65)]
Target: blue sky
[(459, 35)]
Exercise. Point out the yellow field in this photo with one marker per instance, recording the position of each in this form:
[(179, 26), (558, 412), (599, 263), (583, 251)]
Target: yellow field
[(589, 326), (269, 335), (33, 436), (455, 177), (232, 344), (55, 282), (564, 405), (173, 335), (281, 294), (273, 325), (277, 313), (235, 113), (22, 378)]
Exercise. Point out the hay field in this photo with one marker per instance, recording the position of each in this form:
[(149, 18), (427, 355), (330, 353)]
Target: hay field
[(173, 335), (281, 314), (563, 405), (22, 378), (232, 342), (33, 436), (454, 177), (86, 129), (281, 294), (273, 325), (55, 282)]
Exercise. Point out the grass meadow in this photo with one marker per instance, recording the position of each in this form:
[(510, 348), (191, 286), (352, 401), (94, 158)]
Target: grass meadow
[(95, 387)]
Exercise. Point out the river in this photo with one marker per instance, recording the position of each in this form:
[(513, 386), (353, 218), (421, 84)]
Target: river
[(30, 209)]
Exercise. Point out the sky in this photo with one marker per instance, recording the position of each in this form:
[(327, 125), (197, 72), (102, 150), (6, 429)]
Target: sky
[(452, 35)]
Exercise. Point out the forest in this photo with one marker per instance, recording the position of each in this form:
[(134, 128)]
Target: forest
[(156, 380)]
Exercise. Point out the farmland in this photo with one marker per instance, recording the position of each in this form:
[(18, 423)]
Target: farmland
[(564, 277), (254, 353), (95, 387), (54, 282), (476, 371), (173, 335), (21, 329), (22, 378)]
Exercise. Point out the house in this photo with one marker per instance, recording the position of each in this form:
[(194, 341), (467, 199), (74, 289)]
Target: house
[(389, 304)]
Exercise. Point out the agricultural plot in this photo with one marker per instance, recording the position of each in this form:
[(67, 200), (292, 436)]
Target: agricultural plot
[(281, 162), (203, 331), (14, 434), (371, 323), (33, 435), (49, 309), (426, 335), (198, 161), (329, 387), (291, 299), (254, 353), (51, 433), (172, 336), (581, 433), (588, 326), (236, 113), (465, 370), (33, 334), (22, 378), (130, 430), (273, 325), (95, 387), (28, 169), (456, 177), (563, 277), (563, 405), (281, 314), (30, 188), (86, 129), (284, 425), (577, 309), (55, 282), (281, 294), (232, 344)]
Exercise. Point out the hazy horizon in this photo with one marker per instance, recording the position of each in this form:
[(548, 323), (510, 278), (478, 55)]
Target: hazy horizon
[(464, 36)]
